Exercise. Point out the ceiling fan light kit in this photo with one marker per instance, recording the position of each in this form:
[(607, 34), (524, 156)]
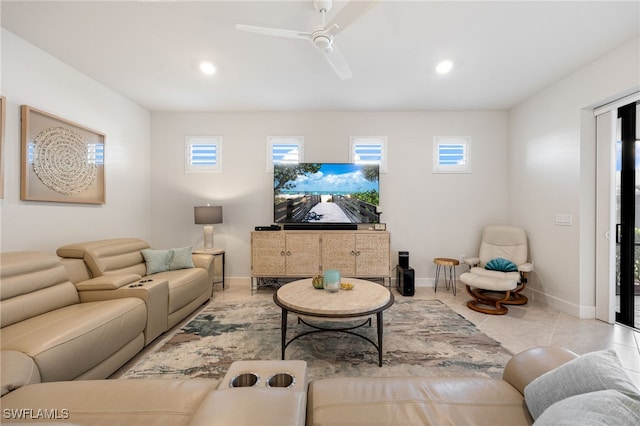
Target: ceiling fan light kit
[(322, 36)]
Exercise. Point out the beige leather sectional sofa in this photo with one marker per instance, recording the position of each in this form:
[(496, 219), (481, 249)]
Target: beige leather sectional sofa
[(85, 315), (551, 379)]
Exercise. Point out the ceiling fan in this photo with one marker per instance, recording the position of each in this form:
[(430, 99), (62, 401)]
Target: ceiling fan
[(322, 36)]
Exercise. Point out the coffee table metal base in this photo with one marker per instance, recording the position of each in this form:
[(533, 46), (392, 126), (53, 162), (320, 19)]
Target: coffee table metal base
[(347, 330)]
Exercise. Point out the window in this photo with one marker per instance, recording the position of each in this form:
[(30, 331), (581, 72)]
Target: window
[(203, 154), (369, 150), (451, 154), (284, 150)]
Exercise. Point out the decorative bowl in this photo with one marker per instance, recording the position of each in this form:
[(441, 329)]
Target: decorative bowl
[(346, 286)]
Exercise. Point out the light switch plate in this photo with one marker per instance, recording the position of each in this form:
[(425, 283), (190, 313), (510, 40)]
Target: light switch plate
[(564, 219)]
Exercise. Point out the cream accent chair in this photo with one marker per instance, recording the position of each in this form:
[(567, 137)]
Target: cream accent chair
[(492, 289)]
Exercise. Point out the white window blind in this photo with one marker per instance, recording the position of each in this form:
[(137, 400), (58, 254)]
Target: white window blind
[(203, 154), (284, 150), (451, 154), (369, 150)]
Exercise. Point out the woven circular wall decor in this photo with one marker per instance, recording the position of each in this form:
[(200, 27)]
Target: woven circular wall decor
[(60, 160)]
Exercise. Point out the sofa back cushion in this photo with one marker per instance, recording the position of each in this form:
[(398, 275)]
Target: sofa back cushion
[(108, 257), (32, 283)]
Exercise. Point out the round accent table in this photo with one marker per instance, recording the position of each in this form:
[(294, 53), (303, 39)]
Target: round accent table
[(365, 300), (448, 265)]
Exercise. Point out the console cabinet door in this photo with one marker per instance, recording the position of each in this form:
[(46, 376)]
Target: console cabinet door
[(338, 252), (303, 254), (372, 254), (268, 254)]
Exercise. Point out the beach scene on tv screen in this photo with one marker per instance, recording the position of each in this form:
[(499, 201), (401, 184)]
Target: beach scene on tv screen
[(326, 193)]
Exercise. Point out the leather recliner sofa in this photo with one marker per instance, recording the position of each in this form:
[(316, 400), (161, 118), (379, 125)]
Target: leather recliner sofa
[(330, 401), (83, 318), (116, 267), (47, 329)]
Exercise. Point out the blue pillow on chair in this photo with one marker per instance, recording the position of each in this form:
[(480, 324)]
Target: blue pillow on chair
[(502, 265)]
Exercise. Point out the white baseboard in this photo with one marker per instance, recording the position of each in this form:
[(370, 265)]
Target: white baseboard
[(579, 311)]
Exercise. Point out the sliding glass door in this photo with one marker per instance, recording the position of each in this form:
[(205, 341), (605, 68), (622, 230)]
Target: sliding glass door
[(628, 216)]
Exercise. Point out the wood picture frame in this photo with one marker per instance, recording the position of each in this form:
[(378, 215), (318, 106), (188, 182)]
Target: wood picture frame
[(2, 127), (61, 161)]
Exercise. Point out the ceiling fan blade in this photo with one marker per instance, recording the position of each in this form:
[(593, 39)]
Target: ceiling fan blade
[(277, 32), (337, 62), (353, 11)]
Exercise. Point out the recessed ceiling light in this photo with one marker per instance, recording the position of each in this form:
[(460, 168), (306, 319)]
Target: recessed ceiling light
[(207, 68), (444, 67)]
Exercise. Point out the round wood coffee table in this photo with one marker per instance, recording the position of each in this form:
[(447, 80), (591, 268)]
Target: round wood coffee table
[(366, 299)]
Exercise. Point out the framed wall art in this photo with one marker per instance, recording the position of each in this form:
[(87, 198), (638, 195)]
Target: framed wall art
[(2, 127), (61, 161)]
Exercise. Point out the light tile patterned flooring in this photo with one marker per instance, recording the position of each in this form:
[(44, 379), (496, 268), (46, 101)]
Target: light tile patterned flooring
[(521, 328)]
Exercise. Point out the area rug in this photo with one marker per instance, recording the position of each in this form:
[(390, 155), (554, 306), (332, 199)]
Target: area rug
[(421, 338)]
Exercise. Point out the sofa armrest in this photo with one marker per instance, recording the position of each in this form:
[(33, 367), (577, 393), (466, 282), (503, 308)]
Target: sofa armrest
[(206, 262), (153, 292), (526, 366), (269, 406), (107, 282), (16, 370)]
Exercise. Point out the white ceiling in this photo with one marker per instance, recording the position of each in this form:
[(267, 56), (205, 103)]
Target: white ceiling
[(149, 51)]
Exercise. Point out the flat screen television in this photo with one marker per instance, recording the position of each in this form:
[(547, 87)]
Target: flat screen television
[(317, 193)]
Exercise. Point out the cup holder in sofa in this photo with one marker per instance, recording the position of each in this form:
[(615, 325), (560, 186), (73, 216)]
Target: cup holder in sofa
[(244, 380), (281, 380)]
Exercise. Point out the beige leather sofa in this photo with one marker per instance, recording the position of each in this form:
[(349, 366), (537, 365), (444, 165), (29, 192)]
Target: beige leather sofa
[(331, 401), (47, 331), (114, 268)]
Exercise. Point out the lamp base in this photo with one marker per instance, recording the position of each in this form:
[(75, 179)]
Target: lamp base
[(208, 236)]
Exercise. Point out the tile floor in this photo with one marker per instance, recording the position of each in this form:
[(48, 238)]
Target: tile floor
[(521, 328)]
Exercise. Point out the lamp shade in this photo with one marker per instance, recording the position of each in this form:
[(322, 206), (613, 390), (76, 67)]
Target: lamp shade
[(207, 215)]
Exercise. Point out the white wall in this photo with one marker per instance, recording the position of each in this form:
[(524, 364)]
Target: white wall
[(552, 170), (429, 215), (32, 77)]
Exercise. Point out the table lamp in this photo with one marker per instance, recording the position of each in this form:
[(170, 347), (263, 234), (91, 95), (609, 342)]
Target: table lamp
[(207, 216)]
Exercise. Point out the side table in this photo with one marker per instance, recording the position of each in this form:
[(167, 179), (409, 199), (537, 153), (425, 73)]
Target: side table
[(449, 265), (216, 253)]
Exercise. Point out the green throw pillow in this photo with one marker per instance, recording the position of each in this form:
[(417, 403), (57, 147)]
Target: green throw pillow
[(502, 265), (157, 260), (595, 371), (181, 259)]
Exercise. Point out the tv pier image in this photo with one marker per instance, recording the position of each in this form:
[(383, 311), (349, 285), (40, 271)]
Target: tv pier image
[(326, 193)]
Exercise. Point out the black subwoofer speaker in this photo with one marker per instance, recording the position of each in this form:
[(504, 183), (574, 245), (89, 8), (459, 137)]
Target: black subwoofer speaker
[(405, 278)]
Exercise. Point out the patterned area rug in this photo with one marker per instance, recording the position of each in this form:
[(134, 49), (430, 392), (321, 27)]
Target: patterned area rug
[(421, 338)]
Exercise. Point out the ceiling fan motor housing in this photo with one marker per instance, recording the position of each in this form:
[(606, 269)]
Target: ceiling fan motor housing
[(322, 41)]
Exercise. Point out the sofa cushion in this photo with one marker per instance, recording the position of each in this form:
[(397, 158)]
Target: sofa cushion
[(69, 341), (110, 256), (181, 258), (185, 286), (32, 283), (157, 260), (600, 408), (595, 371), (414, 400)]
